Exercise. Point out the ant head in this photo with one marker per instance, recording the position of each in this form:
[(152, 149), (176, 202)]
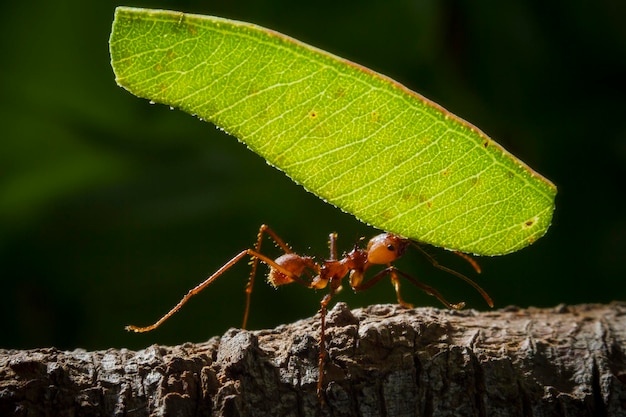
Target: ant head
[(386, 248)]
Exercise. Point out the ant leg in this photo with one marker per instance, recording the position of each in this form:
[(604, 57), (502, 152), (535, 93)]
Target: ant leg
[(393, 271), (209, 280), (472, 262), (322, 342), (255, 262), (396, 286), (332, 245), (469, 260), (372, 281), (430, 290)]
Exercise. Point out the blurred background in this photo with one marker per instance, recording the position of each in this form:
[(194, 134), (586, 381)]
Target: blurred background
[(111, 209)]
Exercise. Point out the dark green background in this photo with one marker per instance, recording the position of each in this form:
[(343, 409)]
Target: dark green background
[(111, 209)]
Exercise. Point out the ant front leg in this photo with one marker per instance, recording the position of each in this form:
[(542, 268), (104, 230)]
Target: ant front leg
[(396, 286), (450, 271), (426, 288), (393, 272)]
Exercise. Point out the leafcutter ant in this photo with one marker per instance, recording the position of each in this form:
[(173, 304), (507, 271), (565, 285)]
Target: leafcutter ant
[(290, 267)]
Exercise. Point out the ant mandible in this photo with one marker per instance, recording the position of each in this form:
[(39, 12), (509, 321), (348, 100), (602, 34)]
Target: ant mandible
[(290, 267)]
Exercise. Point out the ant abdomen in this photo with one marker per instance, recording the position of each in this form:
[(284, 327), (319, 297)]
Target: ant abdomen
[(292, 267)]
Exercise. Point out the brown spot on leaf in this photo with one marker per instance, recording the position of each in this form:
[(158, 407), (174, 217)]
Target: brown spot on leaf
[(529, 223)]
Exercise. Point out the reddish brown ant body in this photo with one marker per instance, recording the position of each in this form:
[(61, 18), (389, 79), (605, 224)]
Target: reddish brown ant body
[(290, 267)]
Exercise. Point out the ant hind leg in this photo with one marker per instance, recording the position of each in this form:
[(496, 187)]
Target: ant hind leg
[(255, 255), (264, 229)]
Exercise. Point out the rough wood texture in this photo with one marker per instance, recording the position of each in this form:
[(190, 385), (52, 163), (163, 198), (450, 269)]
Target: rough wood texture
[(385, 360)]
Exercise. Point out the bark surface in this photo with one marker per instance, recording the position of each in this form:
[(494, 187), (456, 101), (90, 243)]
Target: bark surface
[(384, 361)]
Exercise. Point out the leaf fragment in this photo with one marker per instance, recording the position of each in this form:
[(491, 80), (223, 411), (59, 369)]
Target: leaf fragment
[(355, 138)]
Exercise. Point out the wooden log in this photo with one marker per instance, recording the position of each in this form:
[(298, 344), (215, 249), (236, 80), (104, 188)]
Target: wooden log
[(384, 360)]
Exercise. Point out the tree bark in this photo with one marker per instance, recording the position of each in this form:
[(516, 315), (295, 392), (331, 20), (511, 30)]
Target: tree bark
[(383, 361)]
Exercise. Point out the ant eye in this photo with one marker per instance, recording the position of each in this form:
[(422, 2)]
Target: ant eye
[(391, 248)]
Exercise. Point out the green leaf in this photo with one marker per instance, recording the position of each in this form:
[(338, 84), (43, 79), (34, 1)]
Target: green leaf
[(355, 138)]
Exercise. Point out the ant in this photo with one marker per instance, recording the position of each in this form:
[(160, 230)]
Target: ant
[(290, 267)]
